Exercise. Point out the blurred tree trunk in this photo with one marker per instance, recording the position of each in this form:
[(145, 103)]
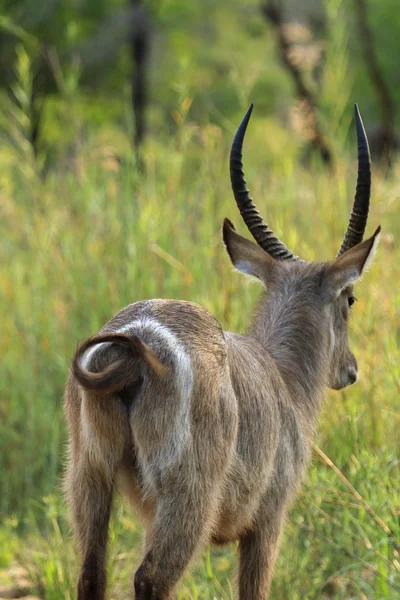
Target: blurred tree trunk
[(385, 138), (140, 42), (273, 12)]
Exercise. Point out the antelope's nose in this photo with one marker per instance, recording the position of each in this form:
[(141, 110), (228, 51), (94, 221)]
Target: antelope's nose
[(352, 373)]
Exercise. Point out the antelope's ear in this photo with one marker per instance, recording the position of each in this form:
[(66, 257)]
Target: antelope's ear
[(245, 255), (349, 268)]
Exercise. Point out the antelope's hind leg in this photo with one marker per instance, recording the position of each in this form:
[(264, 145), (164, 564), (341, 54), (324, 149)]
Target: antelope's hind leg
[(188, 491), (181, 526), (95, 453), (91, 507)]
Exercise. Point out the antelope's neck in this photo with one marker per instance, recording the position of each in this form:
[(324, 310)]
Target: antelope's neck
[(296, 337)]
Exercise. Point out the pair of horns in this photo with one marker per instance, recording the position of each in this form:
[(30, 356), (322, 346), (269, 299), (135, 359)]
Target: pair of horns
[(263, 235)]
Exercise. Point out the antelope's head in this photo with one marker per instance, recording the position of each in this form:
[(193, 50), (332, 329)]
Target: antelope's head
[(297, 288)]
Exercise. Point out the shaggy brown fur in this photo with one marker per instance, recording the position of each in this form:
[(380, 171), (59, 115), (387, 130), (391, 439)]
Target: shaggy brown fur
[(206, 432)]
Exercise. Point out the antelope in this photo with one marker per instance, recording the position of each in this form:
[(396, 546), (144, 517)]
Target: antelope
[(206, 432)]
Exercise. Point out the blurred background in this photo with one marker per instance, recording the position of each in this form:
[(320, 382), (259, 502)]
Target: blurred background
[(116, 120)]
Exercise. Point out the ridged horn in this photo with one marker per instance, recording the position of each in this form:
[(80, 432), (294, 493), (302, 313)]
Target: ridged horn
[(263, 235), (359, 214)]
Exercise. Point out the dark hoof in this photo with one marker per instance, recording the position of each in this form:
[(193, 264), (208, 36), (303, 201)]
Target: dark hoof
[(143, 588), (89, 589)]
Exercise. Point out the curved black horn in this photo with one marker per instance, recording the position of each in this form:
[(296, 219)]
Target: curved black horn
[(359, 214), (263, 235)]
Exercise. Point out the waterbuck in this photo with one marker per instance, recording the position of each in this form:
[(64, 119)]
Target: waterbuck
[(207, 432)]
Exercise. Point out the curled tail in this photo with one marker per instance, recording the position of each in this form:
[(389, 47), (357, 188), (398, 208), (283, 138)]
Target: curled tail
[(119, 374)]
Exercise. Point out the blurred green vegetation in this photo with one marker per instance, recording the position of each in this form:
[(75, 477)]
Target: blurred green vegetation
[(97, 233)]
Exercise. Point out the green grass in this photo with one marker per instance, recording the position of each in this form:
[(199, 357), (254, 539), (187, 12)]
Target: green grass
[(97, 234)]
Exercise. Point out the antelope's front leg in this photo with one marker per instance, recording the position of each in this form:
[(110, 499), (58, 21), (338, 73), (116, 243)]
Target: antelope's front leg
[(258, 553)]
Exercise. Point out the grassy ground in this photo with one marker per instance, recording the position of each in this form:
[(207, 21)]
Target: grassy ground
[(96, 234), (92, 238)]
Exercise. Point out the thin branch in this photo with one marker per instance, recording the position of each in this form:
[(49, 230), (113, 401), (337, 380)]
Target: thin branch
[(353, 490)]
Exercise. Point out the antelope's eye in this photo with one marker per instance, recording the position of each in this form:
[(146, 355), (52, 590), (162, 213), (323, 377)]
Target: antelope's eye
[(352, 299)]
